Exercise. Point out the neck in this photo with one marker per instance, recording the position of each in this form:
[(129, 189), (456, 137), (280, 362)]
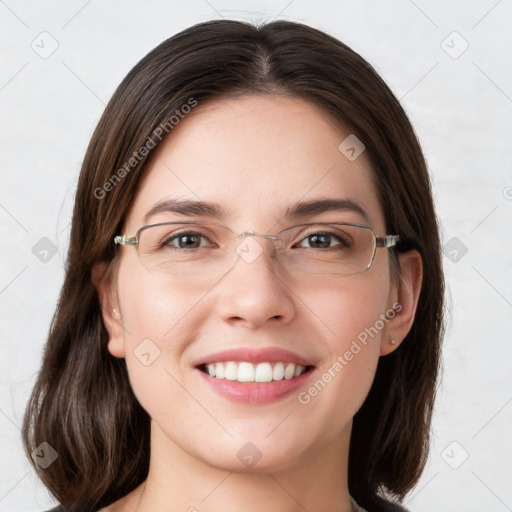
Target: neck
[(177, 481)]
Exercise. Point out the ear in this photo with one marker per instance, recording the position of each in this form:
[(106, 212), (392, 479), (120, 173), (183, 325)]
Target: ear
[(404, 298), (109, 310)]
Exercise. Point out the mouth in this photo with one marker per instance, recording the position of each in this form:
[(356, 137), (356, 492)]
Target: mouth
[(244, 371), (254, 376)]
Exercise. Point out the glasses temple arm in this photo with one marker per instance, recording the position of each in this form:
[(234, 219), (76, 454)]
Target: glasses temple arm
[(125, 240), (387, 241)]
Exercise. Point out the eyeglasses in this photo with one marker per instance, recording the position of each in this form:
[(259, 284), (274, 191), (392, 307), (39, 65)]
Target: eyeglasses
[(207, 250)]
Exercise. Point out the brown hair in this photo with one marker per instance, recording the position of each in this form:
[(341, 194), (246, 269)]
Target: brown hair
[(82, 403)]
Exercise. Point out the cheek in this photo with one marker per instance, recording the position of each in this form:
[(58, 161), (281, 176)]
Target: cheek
[(351, 314), (158, 323), (350, 307), (153, 309)]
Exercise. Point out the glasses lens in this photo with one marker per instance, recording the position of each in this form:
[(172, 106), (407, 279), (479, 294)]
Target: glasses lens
[(206, 251), (330, 249), (183, 249)]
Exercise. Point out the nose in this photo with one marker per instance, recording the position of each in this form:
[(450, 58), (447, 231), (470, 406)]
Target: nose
[(254, 291)]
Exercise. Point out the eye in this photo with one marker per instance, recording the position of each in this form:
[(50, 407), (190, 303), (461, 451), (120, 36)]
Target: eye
[(324, 240), (186, 240)]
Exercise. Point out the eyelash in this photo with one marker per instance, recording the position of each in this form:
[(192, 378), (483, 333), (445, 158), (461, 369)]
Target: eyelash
[(175, 236), (342, 241), (167, 242)]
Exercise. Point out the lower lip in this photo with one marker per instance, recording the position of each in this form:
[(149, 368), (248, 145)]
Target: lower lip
[(255, 392)]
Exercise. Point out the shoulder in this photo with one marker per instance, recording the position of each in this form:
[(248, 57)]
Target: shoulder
[(378, 504), (120, 505), (61, 508)]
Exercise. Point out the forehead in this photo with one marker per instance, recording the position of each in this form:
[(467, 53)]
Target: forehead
[(256, 157)]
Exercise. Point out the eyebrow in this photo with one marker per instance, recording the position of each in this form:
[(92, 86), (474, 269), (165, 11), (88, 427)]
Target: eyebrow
[(187, 208), (299, 210), (319, 206)]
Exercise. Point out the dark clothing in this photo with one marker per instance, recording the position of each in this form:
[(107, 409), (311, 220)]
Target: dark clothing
[(60, 508), (378, 505)]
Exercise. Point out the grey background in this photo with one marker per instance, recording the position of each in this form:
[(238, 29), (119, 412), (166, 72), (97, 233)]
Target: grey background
[(460, 103)]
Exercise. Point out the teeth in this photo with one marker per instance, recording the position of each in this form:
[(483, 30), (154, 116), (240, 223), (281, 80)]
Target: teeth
[(263, 372), (231, 371), (278, 371), (289, 371), (298, 370), (245, 372), (248, 372)]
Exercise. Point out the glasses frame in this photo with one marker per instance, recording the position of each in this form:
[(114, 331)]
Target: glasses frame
[(386, 241)]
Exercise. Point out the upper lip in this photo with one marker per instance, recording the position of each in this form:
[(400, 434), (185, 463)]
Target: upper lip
[(252, 355)]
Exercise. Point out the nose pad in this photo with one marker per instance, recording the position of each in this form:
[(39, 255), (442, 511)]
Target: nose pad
[(249, 249)]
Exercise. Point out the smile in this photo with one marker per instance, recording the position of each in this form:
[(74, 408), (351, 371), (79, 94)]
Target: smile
[(243, 371), (254, 375)]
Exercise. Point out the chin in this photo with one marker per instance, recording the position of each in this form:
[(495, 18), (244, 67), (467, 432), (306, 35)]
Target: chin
[(258, 456)]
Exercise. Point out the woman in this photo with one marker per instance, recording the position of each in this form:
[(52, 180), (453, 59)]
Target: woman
[(251, 316)]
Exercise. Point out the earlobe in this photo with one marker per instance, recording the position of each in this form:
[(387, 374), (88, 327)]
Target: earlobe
[(109, 310), (407, 295)]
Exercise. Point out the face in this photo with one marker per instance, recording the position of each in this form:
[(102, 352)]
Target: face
[(255, 157)]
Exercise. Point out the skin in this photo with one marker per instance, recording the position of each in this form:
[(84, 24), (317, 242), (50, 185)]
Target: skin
[(255, 156)]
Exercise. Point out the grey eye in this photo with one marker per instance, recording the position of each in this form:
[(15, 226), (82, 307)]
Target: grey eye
[(323, 241), (189, 240)]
